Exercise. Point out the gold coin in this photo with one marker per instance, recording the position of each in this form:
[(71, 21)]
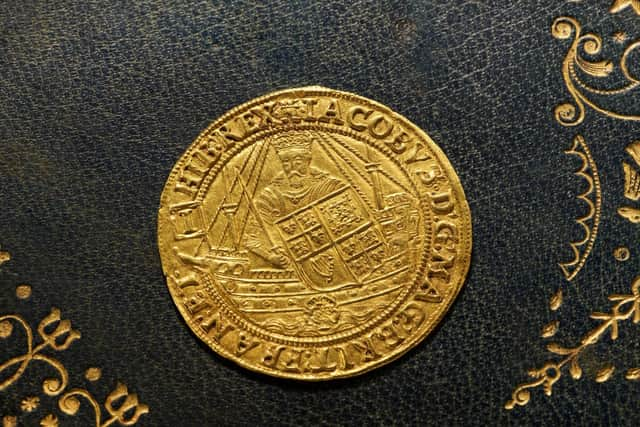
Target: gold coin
[(313, 234)]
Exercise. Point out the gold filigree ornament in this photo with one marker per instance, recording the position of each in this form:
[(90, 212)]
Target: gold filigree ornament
[(631, 184), (313, 234), (4, 257), (575, 66), (622, 254), (49, 421), (9, 421), (30, 404), (626, 307), (121, 406), (59, 339), (56, 334), (620, 5), (592, 196)]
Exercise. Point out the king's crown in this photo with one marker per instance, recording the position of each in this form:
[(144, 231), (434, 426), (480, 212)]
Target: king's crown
[(299, 141)]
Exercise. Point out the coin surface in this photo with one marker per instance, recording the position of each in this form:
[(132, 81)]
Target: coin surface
[(313, 234)]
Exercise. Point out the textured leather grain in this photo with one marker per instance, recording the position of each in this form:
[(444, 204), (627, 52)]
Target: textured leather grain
[(99, 99)]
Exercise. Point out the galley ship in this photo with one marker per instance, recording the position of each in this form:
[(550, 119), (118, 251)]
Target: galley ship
[(343, 249)]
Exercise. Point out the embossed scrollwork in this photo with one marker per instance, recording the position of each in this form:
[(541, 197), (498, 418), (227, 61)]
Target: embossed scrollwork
[(56, 333), (122, 406), (575, 64)]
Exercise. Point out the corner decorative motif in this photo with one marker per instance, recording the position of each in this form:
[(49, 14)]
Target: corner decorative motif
[(592, 196), (626, 307), (56, 333), (572, 114)]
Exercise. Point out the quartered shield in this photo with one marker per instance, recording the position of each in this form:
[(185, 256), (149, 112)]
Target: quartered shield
[(335, 241)]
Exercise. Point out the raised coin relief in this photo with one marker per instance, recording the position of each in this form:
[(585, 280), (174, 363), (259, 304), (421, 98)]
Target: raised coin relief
[(313, 234)]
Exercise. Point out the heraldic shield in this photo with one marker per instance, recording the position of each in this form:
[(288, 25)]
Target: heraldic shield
[(335, 242)]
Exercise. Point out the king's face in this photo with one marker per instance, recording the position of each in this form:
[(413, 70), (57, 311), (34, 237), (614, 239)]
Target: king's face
[(295, 163)]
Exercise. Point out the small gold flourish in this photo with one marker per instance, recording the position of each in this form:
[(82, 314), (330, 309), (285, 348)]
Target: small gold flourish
[(622, 254), (605, 373), (121, 406), (633, 374), (23, 291), (93, 374), (591, 221), (550, 329), (620, 37), (631, 184), (6, 329), (572, 114), (30, 404), (59, 338), (556, 301), (49, 421), (620, 5), (626, 307), (4, 257), (9, 421)]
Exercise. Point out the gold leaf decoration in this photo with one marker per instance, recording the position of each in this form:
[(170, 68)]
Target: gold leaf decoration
[(575, 370), (633, 374), (630, 214), (30, 404), (57, 334), (23, 291), (121, 405), (5, 329), (551, 329), (626, 307), (49, 421), (4, 257), (631, 182), (575, 67), (633, 150), (558, 349), (620, 37), (556, 300), (122, 410), (620, 5), (93, 374), (592, 197), (605, 373), (622, 254)]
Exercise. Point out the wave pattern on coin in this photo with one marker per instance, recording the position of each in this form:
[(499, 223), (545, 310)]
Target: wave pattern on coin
[(313, 234)]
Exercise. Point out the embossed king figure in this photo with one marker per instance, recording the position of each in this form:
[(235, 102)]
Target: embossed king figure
[(298, 185)]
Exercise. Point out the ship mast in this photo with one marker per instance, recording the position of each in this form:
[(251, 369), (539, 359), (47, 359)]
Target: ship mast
[(253, 208), (373, 168), (230, 210)]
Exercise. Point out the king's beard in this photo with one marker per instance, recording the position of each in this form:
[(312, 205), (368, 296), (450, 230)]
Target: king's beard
[(297, 179)]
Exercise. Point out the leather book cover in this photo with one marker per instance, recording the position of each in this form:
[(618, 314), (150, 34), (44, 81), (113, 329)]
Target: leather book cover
[(534, 103)]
